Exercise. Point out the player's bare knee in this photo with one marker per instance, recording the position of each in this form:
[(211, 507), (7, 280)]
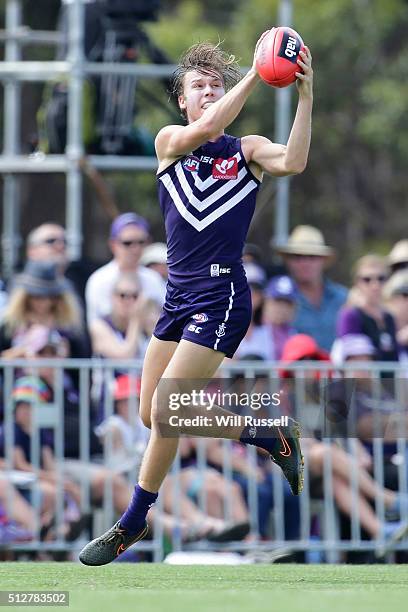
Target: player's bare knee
[(145, 415)]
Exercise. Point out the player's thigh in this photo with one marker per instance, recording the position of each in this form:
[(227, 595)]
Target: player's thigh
[(193, 361), (190, 368), (157, 358)]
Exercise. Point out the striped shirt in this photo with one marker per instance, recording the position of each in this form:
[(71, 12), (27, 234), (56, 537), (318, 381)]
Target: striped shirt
[(207, 199)]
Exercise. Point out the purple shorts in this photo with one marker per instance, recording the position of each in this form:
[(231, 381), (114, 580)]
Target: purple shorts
[(217, 318)]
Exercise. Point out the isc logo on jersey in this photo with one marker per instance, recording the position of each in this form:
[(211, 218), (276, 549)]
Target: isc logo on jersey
[(191, 163), (200, 317), (217, 270), (225, 169)]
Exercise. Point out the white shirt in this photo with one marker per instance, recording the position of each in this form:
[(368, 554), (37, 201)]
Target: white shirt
[(258, 341), (99, 288)]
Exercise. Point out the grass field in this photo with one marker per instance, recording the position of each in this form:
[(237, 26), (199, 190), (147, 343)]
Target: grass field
[(163, 588)]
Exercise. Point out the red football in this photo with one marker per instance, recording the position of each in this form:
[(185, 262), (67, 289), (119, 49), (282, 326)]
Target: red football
[(276, 57)]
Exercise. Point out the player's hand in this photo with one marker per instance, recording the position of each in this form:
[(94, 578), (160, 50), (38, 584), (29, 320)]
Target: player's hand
[(260, 39), (304, 81)]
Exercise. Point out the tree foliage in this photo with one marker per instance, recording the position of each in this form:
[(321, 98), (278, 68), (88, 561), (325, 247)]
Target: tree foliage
[(354, 188)]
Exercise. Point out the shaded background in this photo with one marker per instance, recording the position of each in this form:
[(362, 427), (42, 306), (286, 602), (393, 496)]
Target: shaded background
[(355, 186)]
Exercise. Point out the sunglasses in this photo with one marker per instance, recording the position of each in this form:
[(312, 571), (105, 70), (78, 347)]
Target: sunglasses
[(129, 243), (123, 295), (381, 278), (55, 240)]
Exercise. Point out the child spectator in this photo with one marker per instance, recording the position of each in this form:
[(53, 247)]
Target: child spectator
[(279, 311), (257, 342)]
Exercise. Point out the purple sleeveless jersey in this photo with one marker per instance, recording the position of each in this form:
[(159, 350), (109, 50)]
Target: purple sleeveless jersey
[(208, 200)]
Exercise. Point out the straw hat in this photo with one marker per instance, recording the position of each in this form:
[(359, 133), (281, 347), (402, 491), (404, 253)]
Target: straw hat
[(306, 240), (398, 253)]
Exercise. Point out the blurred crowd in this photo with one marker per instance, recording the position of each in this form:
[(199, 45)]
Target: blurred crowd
[(299, 314)]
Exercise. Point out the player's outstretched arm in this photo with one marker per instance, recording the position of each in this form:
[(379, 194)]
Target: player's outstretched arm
[(280, 160), (174, 141)]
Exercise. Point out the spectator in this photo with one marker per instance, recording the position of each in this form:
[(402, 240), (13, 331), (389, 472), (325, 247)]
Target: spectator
[(398, 256), (279, 311), (155, 258), (48, 242), (3, 297), (365, 313), (251, 254), (318, 299), (38, 389), (41, 297), (319, 454), (128, 236), (374, 413), (396, 295), (257, 342), (41, 342), (263, 473), (122, 334), (30, 390), (17, 519)]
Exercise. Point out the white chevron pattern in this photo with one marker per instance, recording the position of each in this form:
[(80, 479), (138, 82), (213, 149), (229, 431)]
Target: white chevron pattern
[(199, 225), (208, 201)]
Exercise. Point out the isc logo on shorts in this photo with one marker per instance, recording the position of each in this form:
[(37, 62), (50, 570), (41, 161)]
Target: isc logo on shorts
[(217, 270), (225, 169), (194, 328), (191, 163)]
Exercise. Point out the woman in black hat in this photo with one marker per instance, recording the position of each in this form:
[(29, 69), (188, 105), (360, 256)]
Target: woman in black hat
[(40, 296)]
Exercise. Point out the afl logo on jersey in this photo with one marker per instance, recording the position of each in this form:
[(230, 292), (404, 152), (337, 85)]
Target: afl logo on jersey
[(225, 169), (200, 317), (191, 163)]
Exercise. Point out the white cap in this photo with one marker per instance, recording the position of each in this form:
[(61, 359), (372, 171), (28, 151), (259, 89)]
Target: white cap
[(155, 253)]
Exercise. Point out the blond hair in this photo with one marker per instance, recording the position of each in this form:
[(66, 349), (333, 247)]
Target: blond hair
[(372, 259), (65, 310)]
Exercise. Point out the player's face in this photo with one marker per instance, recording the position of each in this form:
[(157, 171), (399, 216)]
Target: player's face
[(200, 91)]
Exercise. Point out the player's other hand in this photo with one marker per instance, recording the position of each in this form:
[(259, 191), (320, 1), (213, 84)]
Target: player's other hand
[(260, 39), (304, 81)]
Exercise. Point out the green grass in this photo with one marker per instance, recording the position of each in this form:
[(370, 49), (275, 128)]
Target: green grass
[(123, 587)]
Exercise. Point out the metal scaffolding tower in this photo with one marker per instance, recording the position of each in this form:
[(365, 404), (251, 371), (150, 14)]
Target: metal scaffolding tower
[(13, 72), (76, 68)]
